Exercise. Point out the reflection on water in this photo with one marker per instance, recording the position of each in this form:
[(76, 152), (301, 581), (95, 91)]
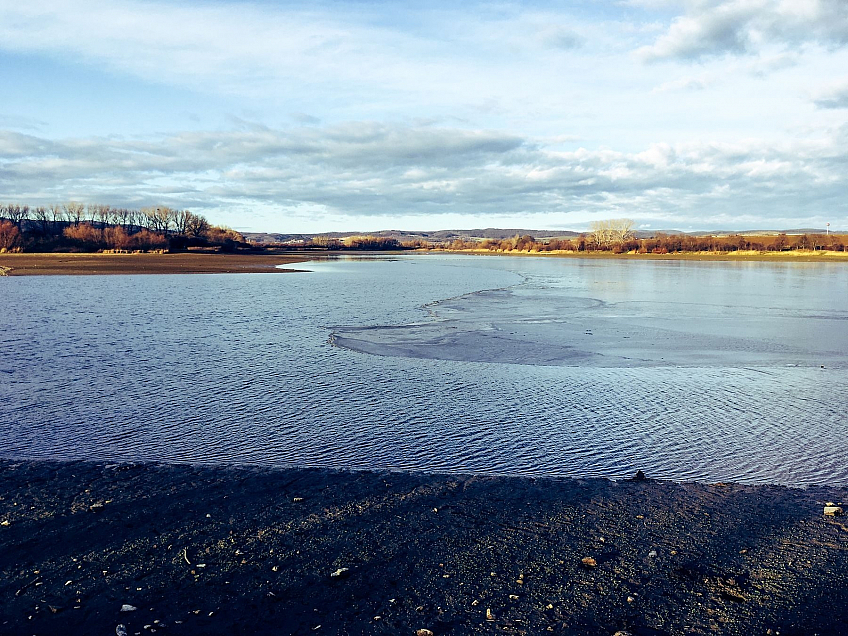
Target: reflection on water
[(709, 371)]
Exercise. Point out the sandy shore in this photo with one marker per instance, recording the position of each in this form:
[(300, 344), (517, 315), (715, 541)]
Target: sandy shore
[(178, 263), (199, 550)]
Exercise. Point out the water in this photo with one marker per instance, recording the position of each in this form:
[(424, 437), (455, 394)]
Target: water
[(530, 366)]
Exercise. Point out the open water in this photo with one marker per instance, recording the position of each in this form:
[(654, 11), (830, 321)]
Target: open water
[(719, 371)]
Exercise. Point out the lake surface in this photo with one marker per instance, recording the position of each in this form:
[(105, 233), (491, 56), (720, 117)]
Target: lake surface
[(718, 371)]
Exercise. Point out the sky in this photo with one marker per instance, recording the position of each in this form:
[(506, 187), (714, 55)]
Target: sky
[(366, 115)]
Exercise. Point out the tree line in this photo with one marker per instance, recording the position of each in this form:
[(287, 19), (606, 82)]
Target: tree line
[(660, 244), (617, 236), (80, 227)]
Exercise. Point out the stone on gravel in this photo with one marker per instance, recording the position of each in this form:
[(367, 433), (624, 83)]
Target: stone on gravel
[(128, 608), (833, 511), (423, 632), (120, 630), (589, 562), (340, 573)]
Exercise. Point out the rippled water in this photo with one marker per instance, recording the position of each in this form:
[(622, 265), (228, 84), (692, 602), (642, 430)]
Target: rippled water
[(535, 366)]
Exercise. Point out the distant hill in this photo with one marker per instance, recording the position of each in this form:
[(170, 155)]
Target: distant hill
[(437, 236), (446, 236)]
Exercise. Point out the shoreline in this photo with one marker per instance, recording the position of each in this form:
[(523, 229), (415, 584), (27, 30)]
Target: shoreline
[(229, 550), (56, 264)]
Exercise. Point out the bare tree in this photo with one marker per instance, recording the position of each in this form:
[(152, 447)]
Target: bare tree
[(56, 215), (74, 212), (611, 231), (15, 213), (181, 219), (42, 217), (158, 219), (196, 225)]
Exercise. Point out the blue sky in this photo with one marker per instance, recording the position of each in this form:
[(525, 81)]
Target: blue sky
[(290, 117)]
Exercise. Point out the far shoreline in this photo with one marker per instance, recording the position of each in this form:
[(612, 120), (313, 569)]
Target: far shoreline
[(789, 256), (107, 263)]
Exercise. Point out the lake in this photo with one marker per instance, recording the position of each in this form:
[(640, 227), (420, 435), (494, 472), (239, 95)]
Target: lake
[(709, 371)]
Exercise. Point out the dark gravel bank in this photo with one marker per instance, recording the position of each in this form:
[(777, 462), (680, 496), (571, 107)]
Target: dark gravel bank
[(200, 550)]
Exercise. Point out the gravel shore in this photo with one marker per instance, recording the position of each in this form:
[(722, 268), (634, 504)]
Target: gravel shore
[(209, 550)]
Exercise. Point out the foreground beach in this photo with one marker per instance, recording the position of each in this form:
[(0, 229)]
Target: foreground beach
[(202, 550)]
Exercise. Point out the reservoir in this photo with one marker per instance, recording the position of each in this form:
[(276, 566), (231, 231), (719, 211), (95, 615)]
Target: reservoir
[(687, 370)]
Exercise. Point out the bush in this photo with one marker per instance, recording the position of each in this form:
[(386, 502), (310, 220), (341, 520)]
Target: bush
[(84, 236), (10, 237)]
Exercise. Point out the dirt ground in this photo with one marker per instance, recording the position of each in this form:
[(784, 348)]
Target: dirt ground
[(177, 263), (206, 550)]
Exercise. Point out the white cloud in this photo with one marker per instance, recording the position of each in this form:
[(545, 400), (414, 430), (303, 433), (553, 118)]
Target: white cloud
[(361, 170), (735, 27), (834, 96)]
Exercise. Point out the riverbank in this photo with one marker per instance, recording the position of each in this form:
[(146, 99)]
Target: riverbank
[(202, 550), (791, 256), (29, 264)]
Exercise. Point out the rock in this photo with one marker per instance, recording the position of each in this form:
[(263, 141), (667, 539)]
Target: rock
[(96, 507), (489, 615), (621, 633), (423, 632), (639, 476), (128, 608), (297, 499), (120, 630), (589, 562), (340, 573), (5, 522), (652, 554), (833, 511)]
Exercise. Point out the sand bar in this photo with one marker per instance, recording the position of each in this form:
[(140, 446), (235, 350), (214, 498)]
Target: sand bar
[(27, 264)]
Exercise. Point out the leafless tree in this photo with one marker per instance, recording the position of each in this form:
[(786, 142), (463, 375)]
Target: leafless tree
[(42, 216), (610, 231), (74, 212), (196, 226), (15, 213), (158, 219), (56, 216)]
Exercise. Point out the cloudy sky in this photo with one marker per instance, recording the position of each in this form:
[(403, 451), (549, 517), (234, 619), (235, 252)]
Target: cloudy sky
[(355, 115)]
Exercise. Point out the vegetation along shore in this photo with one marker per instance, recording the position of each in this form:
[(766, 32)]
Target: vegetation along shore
[(95, 239)]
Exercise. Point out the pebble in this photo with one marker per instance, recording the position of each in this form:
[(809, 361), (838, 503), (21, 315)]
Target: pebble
[(589, 562), (120, 630), (489, 615), (128, 608), (340, 573), (833, 510), (423, 632), (5, 522), (652, 554)]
